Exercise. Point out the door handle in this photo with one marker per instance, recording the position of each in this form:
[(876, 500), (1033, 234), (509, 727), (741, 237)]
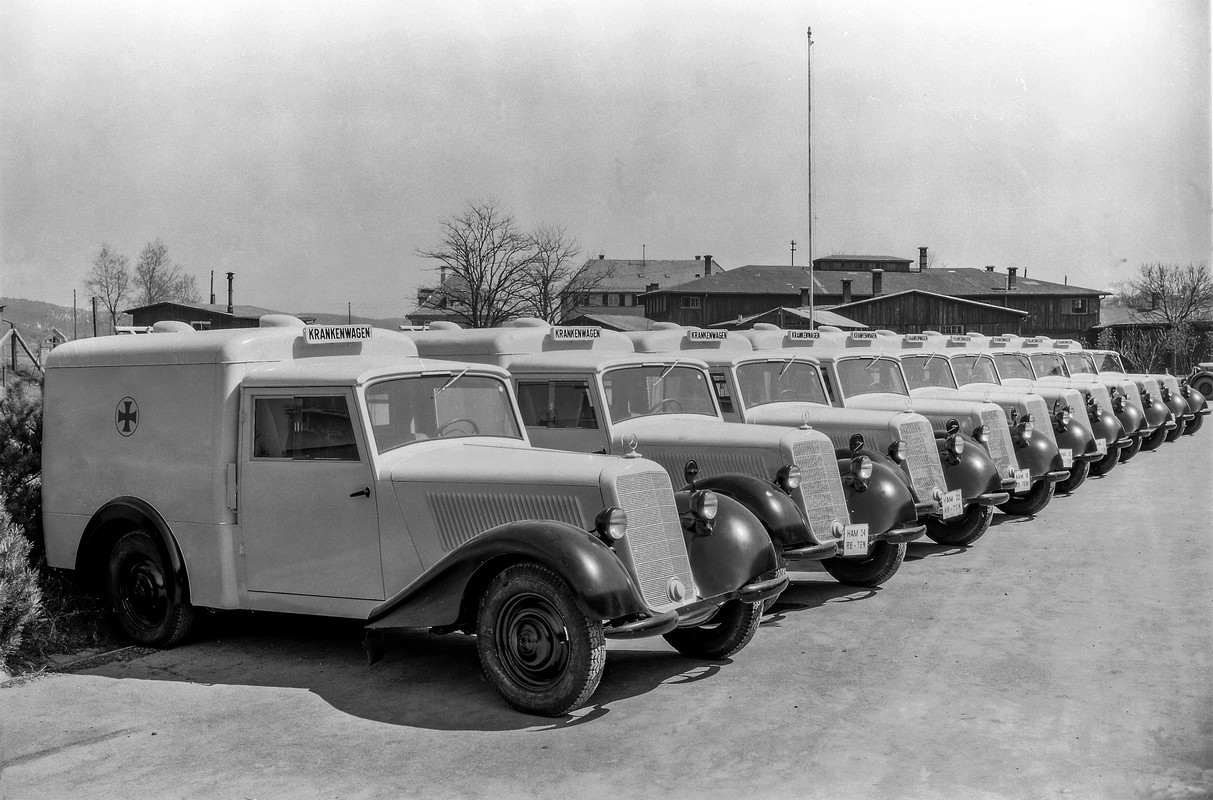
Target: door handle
[(363, 493)]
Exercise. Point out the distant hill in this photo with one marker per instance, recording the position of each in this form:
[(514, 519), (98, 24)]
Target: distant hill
[(34, 320)]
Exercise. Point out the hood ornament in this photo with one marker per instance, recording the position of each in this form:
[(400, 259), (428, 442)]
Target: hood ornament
[(804, 420), (631, 443)]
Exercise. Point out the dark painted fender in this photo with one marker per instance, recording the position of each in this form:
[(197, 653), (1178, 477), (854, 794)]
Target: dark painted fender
[(886, 503), (1157, 413), (1038, 455), (736, 552), (1108, 427), (1132, 419), (975, 474), (1196, 402), (777, 512), (119, 515), (1078, 441), (440, 596), (1178, 406)]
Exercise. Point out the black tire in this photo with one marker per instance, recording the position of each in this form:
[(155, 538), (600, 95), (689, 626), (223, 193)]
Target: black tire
[(1194, 424), (542, 655), (1078, 475), (1106, 464), (729, 630), (1154, 440), (1180, 426), (879, 565), (963, 530), (1128, 452), (141, 593), (1204, 386), (1031, 502)]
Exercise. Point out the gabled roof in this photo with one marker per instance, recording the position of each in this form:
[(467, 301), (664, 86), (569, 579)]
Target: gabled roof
[(888, 259), (624, 275), (614, 322), (249, 312), (820, 316), (785, 279), (887, 296)]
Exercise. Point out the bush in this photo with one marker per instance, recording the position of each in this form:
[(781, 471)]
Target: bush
[(21, 460), (20, 594)]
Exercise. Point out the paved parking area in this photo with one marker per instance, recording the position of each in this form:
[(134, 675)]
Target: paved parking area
[(1066, 656)]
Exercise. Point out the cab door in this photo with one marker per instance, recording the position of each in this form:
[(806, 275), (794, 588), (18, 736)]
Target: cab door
[(307, 508)]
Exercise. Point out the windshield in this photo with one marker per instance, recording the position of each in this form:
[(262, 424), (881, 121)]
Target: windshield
[(1109, 362), (1014, 366), (928, 370), (407, 410), (974, 369), (870, 376), (1049, 365), (644, 391), (788, 381), (1080, 363)]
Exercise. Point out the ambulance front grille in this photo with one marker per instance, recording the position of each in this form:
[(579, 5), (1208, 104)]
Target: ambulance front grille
[(820, 487), (926, 473), (1041, 420), (654, 536), (711, 461), (1102, 397), (999, 444), (463, 515)]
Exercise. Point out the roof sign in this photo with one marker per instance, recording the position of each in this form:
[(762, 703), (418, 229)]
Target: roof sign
[(1000, 340), (915, 337), (1060, 343), (575, 333), (863, 336), (961, 338), (1035, 340), (327, 334), (707, 336), (798, 335)]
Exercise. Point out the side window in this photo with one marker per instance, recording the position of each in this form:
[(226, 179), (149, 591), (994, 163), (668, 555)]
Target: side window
[(303, 428), (557, 404), (825, 378), (723, 396)]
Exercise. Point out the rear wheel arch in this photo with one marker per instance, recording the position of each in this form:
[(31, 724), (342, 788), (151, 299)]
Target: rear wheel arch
[(115, 519)]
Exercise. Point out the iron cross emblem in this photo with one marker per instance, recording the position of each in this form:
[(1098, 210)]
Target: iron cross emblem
[(127, 416)]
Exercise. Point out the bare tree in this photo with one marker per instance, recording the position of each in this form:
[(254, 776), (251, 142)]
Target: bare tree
[(485, 259), (1170, 294), (157, 279), (109, 280), (555, 273)]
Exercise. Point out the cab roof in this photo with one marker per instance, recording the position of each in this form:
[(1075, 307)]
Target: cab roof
[(670, 337), (517, 337)]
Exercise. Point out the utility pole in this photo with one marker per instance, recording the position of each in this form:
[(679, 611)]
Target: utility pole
[(809, 139), (793, 252), (94, 317), (75, 333)]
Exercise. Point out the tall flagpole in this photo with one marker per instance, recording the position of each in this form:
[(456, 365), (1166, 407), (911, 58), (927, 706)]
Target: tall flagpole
[(809, 138)]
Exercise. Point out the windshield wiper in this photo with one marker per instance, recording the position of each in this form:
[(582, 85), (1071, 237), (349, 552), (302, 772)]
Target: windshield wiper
[(454, 378), (786, 367), (665, 372)]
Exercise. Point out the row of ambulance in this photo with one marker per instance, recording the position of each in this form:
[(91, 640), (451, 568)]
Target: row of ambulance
[(548, 487)]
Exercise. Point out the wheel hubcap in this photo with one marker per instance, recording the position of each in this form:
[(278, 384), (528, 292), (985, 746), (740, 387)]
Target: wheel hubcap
[(143, 593), (533, 641)]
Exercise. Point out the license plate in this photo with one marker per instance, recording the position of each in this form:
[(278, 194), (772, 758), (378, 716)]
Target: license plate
[(1101, 446), (1067, 458), (855, 540), (1023, 480), (953, 505)]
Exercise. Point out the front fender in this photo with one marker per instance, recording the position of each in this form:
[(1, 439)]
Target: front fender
[(974, 473), (1039, 455), (1108, 428), (448, 593), (886, 503), (735, 553), (1178, 405), (1132, 419), (1196, 402), (777, 512), (1157, 413), (1076, 439)]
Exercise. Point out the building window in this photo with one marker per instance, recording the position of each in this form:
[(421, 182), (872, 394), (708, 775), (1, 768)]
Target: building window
[(629, 299), (950, 329), (612, 300), (1078, 305), (690, 302)]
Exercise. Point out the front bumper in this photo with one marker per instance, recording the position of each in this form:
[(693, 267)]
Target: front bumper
[(989, 499), (898, 535), (811, 552), (763, 589), (1056, 476), (653, 625)]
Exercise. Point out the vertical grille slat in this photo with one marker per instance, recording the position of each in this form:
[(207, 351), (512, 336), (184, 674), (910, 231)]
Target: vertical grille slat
[(926, 473), (820, 487), (654, 535)]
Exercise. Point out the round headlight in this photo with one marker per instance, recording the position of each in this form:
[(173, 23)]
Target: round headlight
[(899, 451), (1185, 390), (611, 524), (982, 434), (705, 504), (1118, 403), (861, 468), (956, 445), (1063, 417), (789, 478), (1166, 394)]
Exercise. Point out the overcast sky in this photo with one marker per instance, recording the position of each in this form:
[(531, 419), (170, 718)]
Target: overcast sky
[(313, 147)]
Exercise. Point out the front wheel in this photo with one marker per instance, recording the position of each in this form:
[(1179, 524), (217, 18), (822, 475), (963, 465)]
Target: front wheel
[(963, 530), (1105, 465), (729, 630), (542, 655), (142, 593), (1178, 430), (1194, 424), (1078, 474), (1154, 440), (874, 569), (1031, 502), (1128, 452)]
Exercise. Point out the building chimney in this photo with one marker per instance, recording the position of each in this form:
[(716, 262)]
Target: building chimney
[(651, 287), (922, 259), (846, 290), (1011, 276), (707, 266), (230, 307), (804, 297), (877, 282), (212, 287), (602, 256), (989, 267)]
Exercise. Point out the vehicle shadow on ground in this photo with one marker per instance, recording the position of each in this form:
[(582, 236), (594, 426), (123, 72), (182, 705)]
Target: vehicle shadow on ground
[(802, 595), (917, 551), (422, 680)]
